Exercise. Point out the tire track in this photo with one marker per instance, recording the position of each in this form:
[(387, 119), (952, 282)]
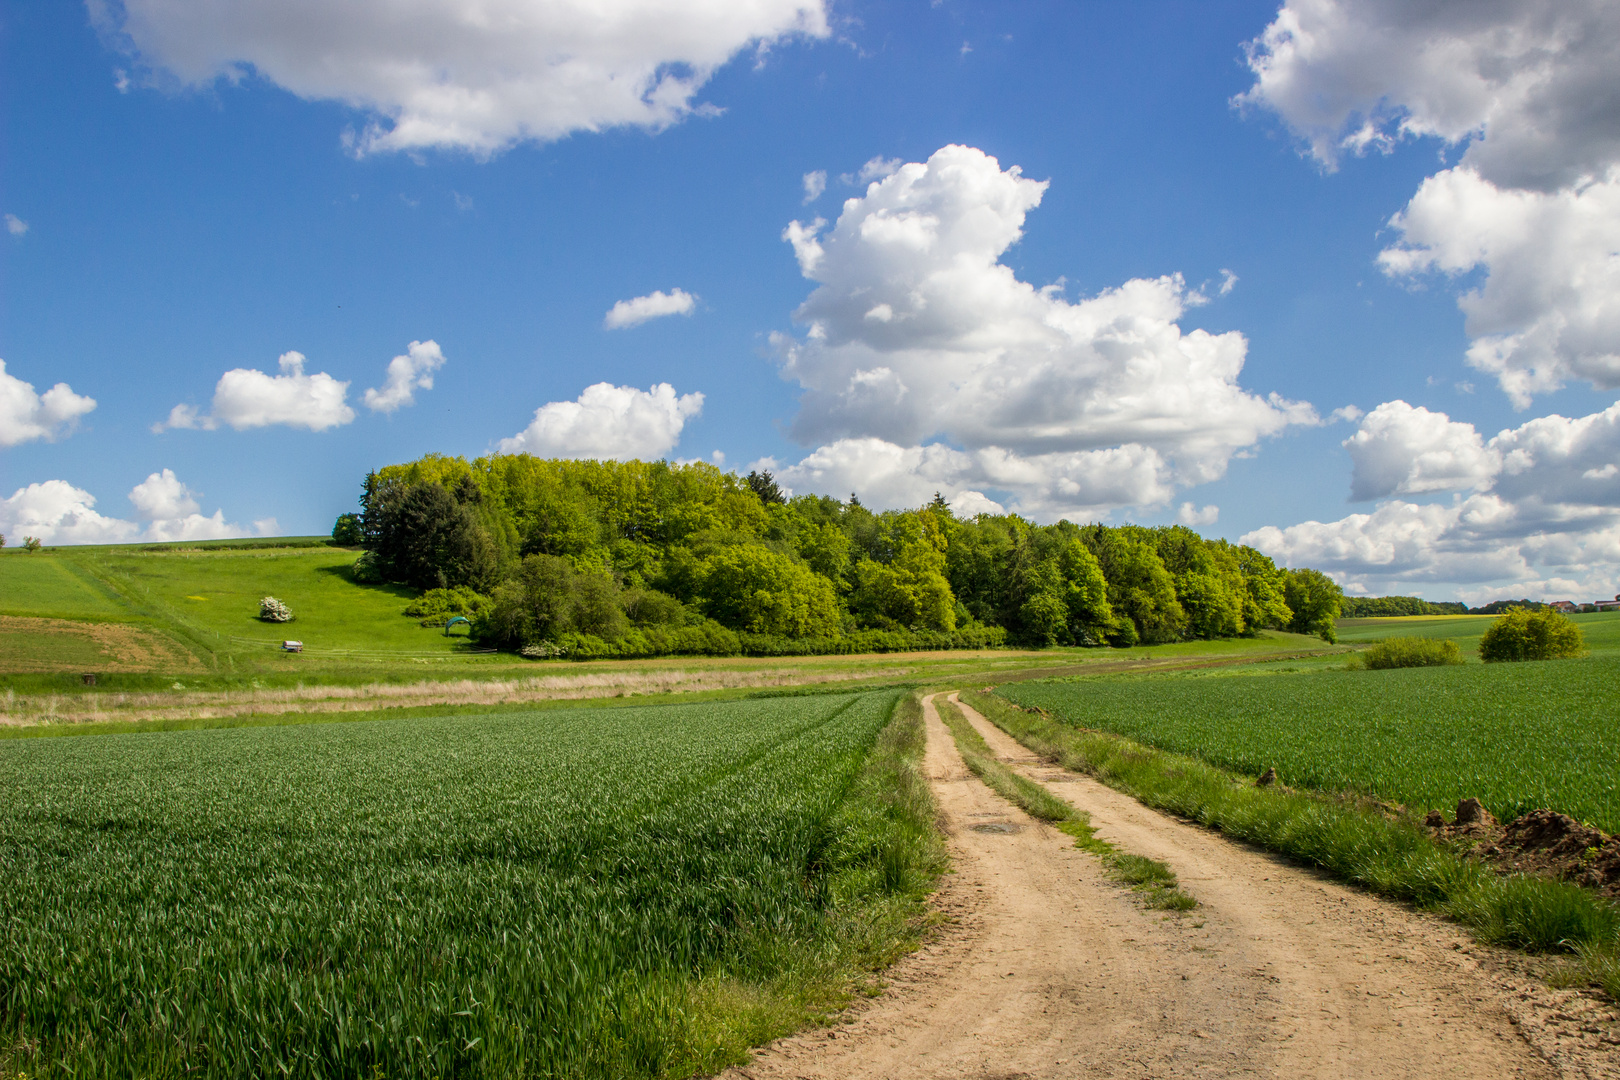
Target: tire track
[(1050, 970)]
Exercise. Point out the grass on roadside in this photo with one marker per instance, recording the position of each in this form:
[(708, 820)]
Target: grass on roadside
[(1353, 842), (1153, 879)]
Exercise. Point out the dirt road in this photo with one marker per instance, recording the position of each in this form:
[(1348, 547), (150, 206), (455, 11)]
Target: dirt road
[(1050, 970)]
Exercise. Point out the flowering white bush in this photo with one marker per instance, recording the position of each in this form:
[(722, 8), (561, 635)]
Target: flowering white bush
[(273, 610), (544, 650)]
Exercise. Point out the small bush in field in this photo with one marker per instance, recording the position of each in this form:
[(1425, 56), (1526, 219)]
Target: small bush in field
[(1521, 634), (366, 570), (273, 610), (1410, 652)]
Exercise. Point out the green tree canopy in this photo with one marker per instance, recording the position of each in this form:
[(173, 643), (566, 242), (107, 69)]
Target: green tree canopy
[(1314, 598), (616, 549), (751, 588)]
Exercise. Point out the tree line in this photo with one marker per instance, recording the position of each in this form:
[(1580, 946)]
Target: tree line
[(607, 558), (1374, 607), (1383, 607)]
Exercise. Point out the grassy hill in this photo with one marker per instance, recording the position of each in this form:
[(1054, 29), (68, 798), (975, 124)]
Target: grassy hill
[(45, 586), (191, 606), (218, 591), (204, 600)]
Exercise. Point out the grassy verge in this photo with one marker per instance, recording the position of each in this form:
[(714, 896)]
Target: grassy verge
[(1393, 857), (1154, 880)]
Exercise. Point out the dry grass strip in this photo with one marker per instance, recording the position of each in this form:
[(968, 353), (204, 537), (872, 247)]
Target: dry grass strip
[(17, 710)]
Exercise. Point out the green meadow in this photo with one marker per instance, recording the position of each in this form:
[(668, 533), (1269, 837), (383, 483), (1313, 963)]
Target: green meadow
[(218, 592), (206, 598), (46, 586)]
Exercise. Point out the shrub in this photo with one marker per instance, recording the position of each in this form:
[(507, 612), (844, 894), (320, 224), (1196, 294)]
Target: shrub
[(273, 610), (1410, 652), (649, 607), (443, 604), (544, 650), (366, 570), (708, 638), (348, 531), (548, 599), (1521, 634)]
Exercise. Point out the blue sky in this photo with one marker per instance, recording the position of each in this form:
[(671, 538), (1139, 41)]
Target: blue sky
[(169, 224)]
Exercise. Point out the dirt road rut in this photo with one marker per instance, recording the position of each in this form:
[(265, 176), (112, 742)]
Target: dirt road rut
[(1050, 970)]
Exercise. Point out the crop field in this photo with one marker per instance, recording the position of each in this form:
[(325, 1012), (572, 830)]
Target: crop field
[(512, 895), (1516, 736)]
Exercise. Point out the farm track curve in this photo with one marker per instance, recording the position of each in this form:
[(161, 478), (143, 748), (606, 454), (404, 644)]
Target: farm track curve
[(1048, 969)]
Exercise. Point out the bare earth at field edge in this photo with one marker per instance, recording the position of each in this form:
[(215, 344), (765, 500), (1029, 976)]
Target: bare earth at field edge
[(1047, 969)]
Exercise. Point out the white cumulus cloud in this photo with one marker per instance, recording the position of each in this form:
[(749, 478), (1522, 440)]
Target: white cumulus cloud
[(171, 512), (26, 416), (1193, 515), (922, 350), (608, 421), (1543, 518), (476, 77), (161, 496), (814, 184), (1529, 85), (58, 513), (407, 374), (1529, 89), (878, 168), (1081, 484), (1547, 310), (1405, 450), (249, 398), (654, 305), (15, 225)]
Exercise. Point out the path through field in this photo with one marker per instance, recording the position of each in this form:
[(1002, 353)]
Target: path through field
[(1050, 970)]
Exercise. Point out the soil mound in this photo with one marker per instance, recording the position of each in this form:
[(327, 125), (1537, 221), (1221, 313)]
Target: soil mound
[(1541, 842), (1549, 842)]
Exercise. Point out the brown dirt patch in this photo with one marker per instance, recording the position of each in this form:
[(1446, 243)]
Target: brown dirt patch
[(1541, 842), (29, 645)]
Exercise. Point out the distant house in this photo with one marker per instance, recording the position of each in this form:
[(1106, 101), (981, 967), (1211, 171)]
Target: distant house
[(1568, 607), (1609, 605)]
